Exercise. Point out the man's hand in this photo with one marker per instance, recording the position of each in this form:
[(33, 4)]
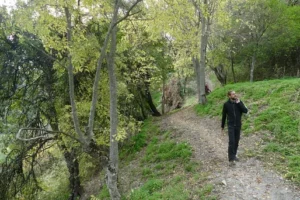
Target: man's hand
[(237, 101)]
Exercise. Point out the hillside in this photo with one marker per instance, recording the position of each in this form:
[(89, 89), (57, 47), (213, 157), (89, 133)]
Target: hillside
[(274, 116), (184, 156), (156, 164)]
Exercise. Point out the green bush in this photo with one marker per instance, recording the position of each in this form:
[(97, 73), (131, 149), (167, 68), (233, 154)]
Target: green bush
[(138, 141), (55, 184)]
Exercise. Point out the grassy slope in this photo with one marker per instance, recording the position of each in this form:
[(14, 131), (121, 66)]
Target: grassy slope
[(162, 166), (275, 108)]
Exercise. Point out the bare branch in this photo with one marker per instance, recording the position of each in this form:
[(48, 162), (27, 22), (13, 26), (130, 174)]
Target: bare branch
[(71, 79), (41, 134), (128, 13)]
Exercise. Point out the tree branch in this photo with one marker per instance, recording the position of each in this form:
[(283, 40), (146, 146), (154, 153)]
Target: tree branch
[(99, 66), (128, 13), (71, 79)]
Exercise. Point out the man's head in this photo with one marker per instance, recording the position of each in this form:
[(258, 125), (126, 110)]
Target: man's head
[(231, 95)]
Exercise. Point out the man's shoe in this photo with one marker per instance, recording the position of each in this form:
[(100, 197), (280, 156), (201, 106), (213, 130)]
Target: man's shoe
[(236, 159), (232, 163)]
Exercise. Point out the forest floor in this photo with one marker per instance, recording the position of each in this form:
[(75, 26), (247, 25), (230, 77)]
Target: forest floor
[(248, 179)]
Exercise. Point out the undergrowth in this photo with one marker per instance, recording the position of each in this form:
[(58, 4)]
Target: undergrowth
[(163, 167)]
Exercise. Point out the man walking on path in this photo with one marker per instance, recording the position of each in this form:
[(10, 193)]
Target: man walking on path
[(232, 110)]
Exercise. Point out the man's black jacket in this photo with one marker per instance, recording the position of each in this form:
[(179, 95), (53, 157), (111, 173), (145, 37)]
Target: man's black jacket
[(233, 111)]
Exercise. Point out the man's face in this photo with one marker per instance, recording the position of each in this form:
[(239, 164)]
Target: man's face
[(232, 95)]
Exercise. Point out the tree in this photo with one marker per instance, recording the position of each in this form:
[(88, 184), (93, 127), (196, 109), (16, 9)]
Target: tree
[(251, 22), (112, 169), (28, 99), (67, 52)]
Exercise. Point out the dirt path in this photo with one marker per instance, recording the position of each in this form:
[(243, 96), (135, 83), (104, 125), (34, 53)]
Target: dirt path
[(248, 180)]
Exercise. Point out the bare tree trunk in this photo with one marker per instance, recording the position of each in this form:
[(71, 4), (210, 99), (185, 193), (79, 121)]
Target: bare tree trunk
[(71, 79), (141, 104), (197, 72), (153, 108), (220, 74), (232, 69), (112, 169), (163, 98), (184, 84), (97, 76), (204, 41), (252, 68), (148, 96), (75, 187), (69, 155), (74, 178)]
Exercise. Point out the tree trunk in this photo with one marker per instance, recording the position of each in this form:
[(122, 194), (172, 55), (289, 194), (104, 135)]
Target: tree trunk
[(148, 96), (184, 84), (197, 72), (144, 115), (97, 76), (112, 169), (70, 156), (220, 74), (204, 41), (150, 102), (163, 98), (153, 108), (71, 80), (113, 23), (72, 163), (140, 102), (74, 178), (232, 69), (252, 68)]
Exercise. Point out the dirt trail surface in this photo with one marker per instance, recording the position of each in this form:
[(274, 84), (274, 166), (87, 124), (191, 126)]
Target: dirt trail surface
[(248, 180)]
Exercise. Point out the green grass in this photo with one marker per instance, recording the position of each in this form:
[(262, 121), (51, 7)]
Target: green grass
[(163, 167), (138, 141), (157, 190), (167, 150), (205, 192), (275, 107)]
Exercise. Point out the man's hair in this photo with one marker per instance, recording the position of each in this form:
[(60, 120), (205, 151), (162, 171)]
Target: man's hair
[(229, 92)]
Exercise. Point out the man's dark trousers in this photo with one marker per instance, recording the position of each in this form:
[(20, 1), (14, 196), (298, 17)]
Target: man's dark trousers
[(234, 133)]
